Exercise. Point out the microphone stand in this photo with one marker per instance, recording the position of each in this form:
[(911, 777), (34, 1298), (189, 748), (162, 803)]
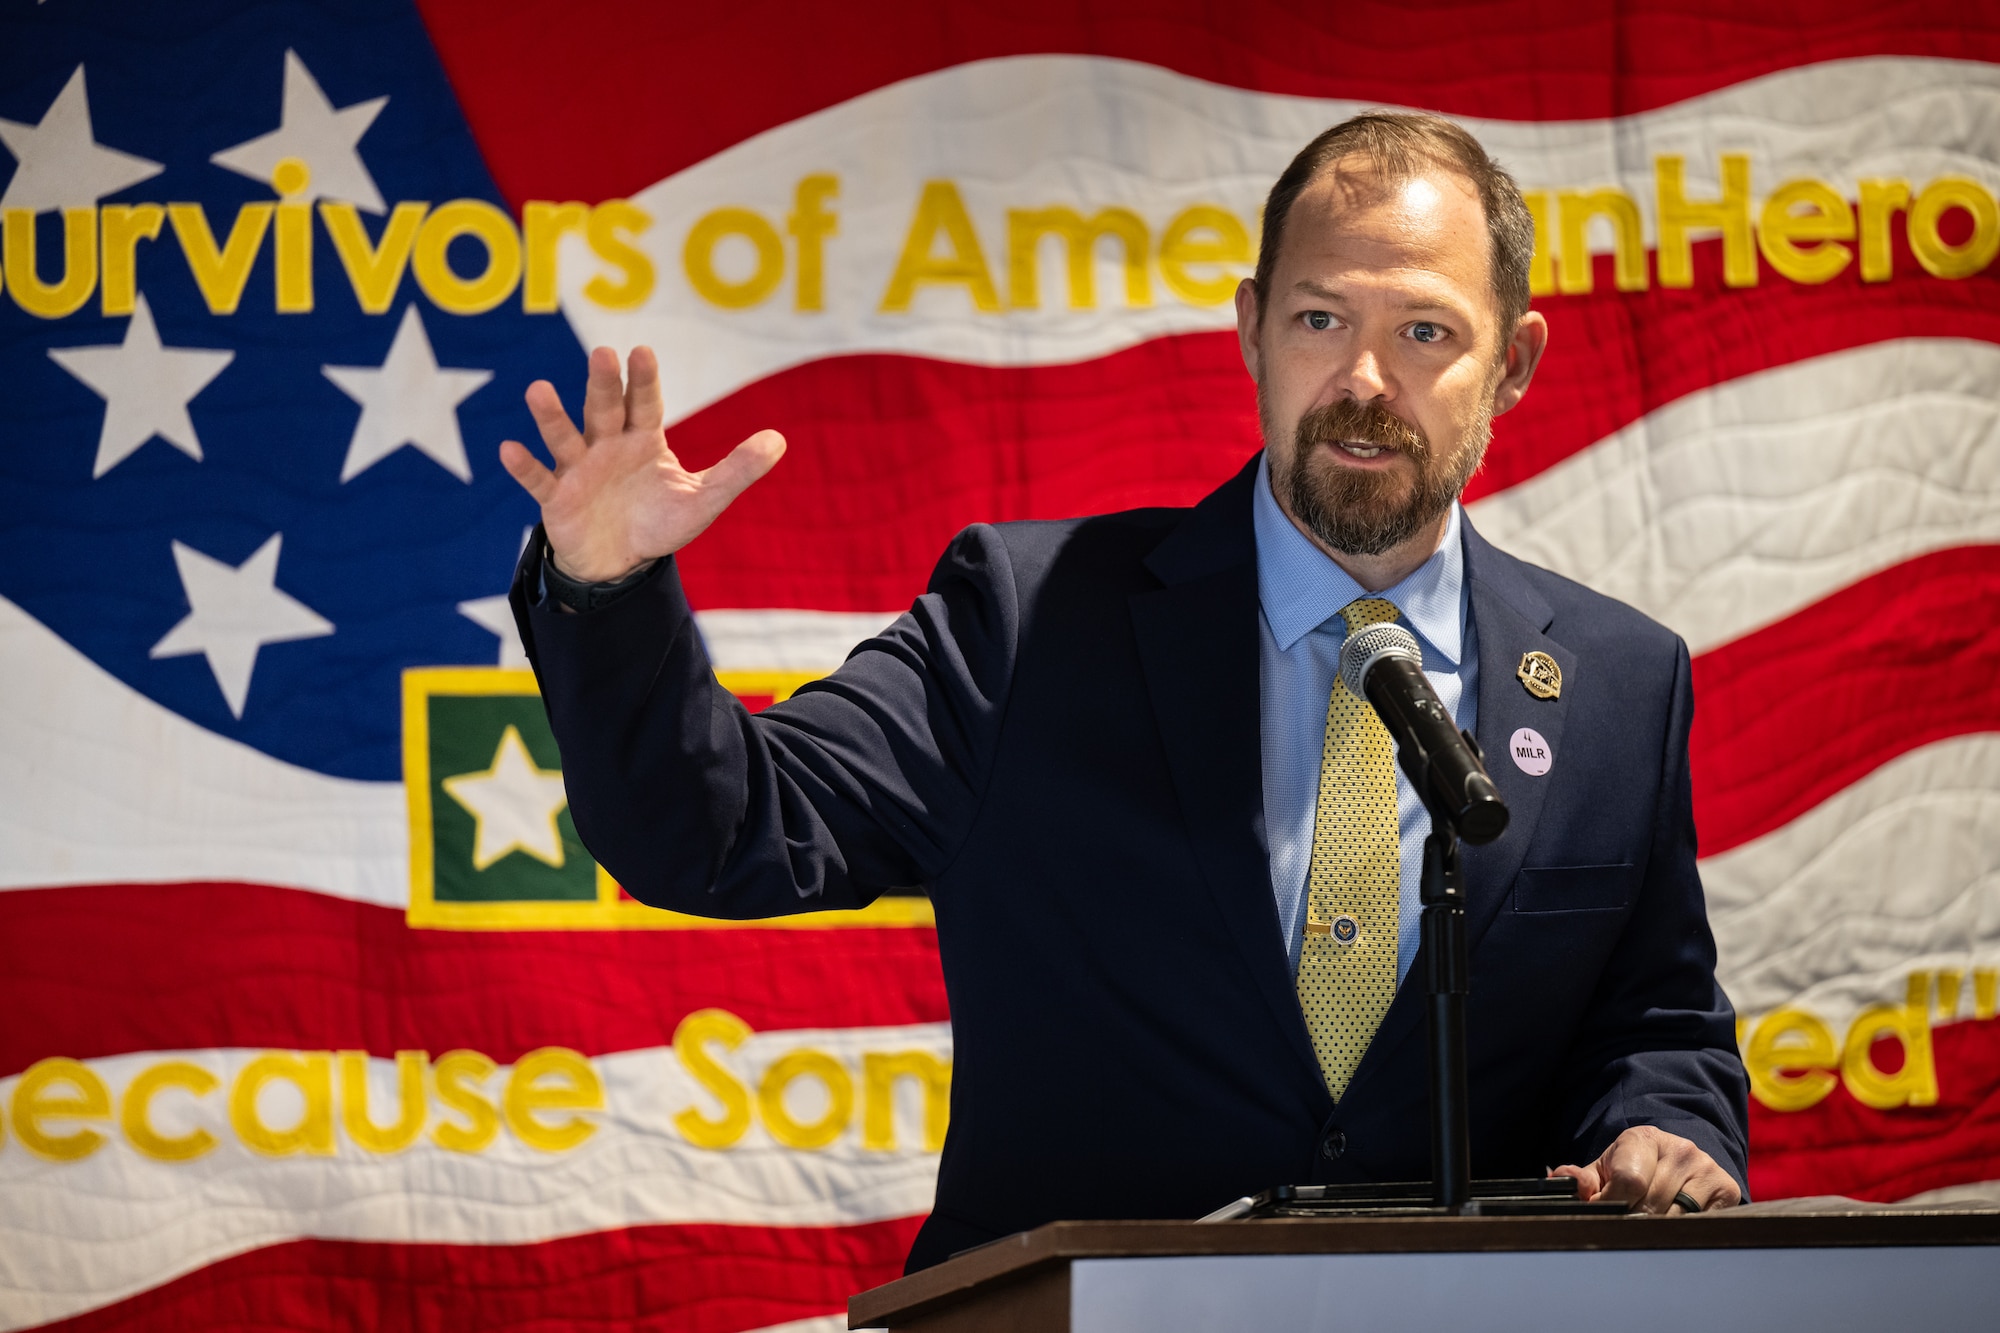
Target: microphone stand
[(1448, 978)]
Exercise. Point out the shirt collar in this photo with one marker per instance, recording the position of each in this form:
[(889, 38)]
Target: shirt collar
[(1301, 587)]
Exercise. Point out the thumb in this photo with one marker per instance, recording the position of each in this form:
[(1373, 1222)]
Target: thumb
[(1588, 1179), (746, 463)]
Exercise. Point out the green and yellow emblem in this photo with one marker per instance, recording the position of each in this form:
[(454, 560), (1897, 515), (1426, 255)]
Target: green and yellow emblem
[(492, 843)]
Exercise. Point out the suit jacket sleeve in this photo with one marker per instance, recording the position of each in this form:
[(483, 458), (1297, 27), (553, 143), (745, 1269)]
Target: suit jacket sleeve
[(865, 781), (1658, 1043)]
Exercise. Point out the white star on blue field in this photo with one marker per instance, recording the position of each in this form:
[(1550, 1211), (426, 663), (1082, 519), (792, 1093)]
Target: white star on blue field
[(257, 519)]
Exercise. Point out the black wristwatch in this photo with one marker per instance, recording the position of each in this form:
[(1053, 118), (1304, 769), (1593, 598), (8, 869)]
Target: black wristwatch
[(580, 596)]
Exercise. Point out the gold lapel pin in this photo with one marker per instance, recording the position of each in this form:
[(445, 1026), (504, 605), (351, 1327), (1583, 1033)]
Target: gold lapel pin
[(1541, 676)]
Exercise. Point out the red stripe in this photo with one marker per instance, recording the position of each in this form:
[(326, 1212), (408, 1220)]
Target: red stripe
[(1793, 713), (665, 1279), (102, 970), (891, 455), (604, 102), (1843, 1147)]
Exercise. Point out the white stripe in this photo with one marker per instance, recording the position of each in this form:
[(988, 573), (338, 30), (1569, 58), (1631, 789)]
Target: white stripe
[(78, 1235), (1088, 132), (786, 640), (103, 785), (826, 1323), (1742, 503), (1898, 872)]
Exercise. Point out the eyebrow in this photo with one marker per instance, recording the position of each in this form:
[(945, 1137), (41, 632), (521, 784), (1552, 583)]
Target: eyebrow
[(1325, 293)]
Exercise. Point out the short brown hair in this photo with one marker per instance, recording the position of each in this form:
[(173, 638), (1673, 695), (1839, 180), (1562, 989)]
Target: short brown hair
[(1401, 144)]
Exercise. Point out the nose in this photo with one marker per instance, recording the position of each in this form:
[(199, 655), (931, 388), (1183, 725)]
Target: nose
[(1366, 377)]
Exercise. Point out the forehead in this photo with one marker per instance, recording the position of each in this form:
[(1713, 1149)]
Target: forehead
[(1352, 219)]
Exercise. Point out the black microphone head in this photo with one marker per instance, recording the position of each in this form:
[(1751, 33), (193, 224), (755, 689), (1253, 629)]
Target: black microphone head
[(1369, 645), (1484, 817)]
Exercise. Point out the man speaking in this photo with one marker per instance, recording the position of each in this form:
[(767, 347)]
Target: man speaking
[(1174, 866)]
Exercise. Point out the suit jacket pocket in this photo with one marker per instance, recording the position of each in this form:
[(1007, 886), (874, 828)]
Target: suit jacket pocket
[(1573, 888)]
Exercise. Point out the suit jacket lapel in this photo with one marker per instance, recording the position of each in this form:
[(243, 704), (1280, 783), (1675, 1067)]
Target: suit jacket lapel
[(1197, 641), (1509, 619), (1512, 619)]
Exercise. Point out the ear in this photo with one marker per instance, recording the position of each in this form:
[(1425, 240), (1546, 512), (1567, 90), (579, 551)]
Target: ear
[(1524, 353), (1248, 316)]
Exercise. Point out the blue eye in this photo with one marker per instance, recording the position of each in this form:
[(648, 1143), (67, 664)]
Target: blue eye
[(1318, 319), (1426, 332)]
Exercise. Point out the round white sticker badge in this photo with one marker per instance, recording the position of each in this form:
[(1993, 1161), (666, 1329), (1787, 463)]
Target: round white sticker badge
[(1530, 751)]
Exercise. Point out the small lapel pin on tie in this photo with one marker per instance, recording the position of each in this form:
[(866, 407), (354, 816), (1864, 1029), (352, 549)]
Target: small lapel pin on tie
[(1540, 675)]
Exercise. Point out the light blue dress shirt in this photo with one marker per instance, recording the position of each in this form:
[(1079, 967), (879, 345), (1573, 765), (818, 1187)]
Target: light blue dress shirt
[(1300, 631)]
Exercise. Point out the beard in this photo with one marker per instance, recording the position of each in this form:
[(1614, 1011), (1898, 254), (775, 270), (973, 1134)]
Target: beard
[(1360, 511)]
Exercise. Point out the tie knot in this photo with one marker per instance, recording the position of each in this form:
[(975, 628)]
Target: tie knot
[(1365, 611)]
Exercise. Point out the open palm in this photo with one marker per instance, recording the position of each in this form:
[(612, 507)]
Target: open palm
[(618, 496)]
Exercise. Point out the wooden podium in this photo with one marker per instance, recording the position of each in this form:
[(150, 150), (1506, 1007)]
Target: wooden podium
[(1827, 1272)]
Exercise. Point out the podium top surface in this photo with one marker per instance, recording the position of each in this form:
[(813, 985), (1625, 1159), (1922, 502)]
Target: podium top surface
[(1060, 1243)]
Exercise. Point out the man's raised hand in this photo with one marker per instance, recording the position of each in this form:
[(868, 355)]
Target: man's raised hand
[(618, 497)]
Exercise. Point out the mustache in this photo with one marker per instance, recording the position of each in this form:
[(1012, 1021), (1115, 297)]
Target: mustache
[(1368, 424)]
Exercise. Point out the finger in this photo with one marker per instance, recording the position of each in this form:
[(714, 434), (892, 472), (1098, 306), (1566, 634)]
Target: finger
[(1678, 1163), (1628, 1169), (1709, 1185), (1586, 1177), (1715, 1188), (603, 397), (745, 463), (525, 468), (559, 433), (642, 391)]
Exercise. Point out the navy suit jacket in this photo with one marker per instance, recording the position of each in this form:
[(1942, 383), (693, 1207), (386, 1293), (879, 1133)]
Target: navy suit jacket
[(1059, 743)]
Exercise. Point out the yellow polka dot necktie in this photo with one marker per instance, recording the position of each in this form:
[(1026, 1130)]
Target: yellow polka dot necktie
[(1347, 967)]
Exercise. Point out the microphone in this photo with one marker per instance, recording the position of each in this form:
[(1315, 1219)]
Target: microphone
[(1383, 664)]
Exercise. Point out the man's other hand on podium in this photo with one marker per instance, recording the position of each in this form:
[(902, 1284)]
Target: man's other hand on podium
[(1650, 1169)]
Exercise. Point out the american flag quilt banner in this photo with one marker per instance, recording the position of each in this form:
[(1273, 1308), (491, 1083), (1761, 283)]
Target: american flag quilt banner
[(315, 1014)]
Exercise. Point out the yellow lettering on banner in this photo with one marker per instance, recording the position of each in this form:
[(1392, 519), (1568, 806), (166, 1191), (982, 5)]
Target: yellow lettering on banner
[(220, 272), (691, 1039), (542, 225), (1826, 222), (374, 272), (806, 1063), (295, 254), (1203, 235), (1950, 981), (410, 1108), (1939, 197), (135, 1111), (1985, 992), (1575, 209), (940, 209), (294, 236), (605, 231), (79, 279), (35, 1102), (494, 230), (1025, 229), (1541, 267), (553, 1078), (810, 225), (1915, 1084), (1880, 201), (120, 229), (458, 1075), (698, 258), (1789, 1059), (311, 1072), (1678, 215), (879, 1072)]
